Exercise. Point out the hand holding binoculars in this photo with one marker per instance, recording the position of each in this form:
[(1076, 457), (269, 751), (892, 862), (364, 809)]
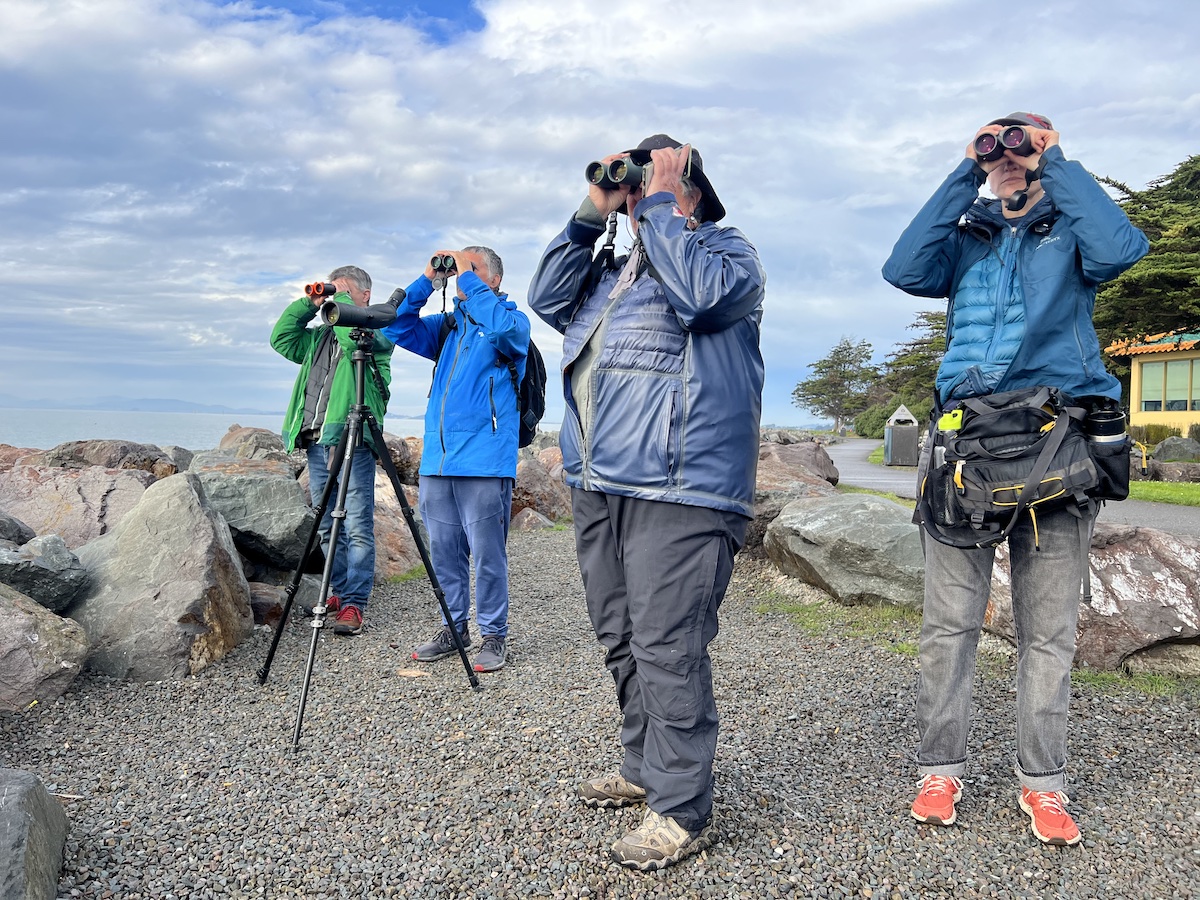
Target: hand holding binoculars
[(990, 147)]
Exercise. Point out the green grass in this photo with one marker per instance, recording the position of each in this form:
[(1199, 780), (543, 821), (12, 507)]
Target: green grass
[(1177, 492), (884, 623), (411, 575), (886, 495), (1112, 682), (876, 456)]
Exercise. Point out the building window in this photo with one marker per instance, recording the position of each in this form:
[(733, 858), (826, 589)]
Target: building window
[(1179, 376), (1152, 386)]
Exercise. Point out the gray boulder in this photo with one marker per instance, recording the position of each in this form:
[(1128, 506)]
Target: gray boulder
[(168, 596), (254, 443), (76, 504), (33, 832), (783, 476), (858, 548), (264, 506), (106, 455), (1145, 593), (1175, 660), (1177, 449), (181, 456), (46, 571), (40, 653), (13, 529)]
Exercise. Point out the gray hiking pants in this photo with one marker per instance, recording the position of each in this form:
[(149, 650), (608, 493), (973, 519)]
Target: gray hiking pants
[(654, 574)]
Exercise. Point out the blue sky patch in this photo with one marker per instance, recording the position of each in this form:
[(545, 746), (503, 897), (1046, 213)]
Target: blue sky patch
[(442, 20)]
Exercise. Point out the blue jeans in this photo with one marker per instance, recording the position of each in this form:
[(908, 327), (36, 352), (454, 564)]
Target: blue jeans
[(468, 517), (353, 574), (1046, 589)]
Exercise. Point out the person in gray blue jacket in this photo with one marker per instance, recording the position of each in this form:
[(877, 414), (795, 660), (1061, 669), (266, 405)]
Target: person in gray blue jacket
[(662, 378), (469, 457), (1021, 273)]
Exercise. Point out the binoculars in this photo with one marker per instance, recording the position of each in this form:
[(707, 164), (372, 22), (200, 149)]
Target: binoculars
[(616, 173), (989, 147), (320, 289), (443, 265)]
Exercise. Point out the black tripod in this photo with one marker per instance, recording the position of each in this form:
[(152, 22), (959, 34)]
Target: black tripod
[(352, 437)]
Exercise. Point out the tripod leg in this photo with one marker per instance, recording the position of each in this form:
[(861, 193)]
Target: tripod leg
[(294, 586), (343, 461), (410, 517)]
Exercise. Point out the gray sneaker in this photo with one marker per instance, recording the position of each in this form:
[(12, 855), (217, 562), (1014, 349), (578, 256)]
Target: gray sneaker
[(610, 790), (441, 644), (493, 654), (660, 841)]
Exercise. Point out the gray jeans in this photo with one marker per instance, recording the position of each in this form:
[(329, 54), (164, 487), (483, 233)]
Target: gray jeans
[(654, 574), (1046, 587)]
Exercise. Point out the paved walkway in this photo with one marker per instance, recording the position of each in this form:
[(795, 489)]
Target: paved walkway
[(850, 457)]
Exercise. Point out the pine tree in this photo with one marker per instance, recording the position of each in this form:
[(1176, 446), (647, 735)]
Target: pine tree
[(841, 385)]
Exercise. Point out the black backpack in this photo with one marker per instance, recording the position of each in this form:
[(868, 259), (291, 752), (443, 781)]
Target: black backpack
[(530, 391)]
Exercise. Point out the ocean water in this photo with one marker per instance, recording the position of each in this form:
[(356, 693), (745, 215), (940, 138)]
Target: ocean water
[(45, 428)]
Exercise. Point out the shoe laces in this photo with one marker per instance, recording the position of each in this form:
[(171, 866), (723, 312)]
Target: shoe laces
[(937, 784), (1052, 802), (349, 614), (493, 643)]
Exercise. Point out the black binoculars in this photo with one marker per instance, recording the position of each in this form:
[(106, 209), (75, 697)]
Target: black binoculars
[(443, 264), (616, 173), (989, 147), (320, 289)]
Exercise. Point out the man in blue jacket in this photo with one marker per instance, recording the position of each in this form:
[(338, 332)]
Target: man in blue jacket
[(1020, 272), (469, 459), (662, 378)]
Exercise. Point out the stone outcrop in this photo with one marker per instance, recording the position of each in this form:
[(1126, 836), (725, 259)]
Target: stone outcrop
[(14, 530), (10, 454), (266, 509), (76, 504), (783, 476), (44, 570), (405, 454), (254, 443), (1177, 449), (858, 548), (536, 490), (395, 550), (40, 653), (33, 832), (106, 455), (168, 595), (530, 520), (1145, 592)]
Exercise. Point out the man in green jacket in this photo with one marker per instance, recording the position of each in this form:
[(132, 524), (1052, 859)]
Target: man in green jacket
[(315, 420)]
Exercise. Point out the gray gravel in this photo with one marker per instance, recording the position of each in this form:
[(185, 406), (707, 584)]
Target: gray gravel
[(412, 785)]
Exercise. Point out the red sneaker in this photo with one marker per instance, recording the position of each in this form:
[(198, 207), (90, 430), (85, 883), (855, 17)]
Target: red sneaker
[(349, 621), (1048, 817), (936, 798)]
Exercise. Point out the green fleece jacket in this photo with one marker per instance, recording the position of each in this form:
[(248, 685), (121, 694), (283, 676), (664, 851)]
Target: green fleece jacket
[(293, 339)]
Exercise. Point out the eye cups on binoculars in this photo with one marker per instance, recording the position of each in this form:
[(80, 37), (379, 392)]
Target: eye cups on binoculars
[(616, 173), (990, 147)]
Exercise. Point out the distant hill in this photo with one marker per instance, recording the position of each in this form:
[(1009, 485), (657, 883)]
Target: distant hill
[(124, 404)]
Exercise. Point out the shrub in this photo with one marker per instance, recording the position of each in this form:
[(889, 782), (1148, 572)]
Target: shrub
[(1194, 431), (1156, 433)]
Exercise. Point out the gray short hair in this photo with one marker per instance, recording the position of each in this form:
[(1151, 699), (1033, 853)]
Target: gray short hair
[(352, 273), (490, 257)]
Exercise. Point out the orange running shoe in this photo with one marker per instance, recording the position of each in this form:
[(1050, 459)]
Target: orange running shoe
[(1048, 817), (936, 798)]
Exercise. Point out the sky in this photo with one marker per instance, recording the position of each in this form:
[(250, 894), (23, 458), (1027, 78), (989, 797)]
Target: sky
[(173, 173)]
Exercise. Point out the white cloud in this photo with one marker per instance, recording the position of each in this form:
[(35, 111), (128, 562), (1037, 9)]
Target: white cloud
[(176, 171)]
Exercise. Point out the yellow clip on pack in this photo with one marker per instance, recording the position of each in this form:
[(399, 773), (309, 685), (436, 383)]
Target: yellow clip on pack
[(951, 421)]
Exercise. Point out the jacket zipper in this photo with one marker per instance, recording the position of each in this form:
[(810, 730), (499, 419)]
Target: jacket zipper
[(492, 401), (442, 408)]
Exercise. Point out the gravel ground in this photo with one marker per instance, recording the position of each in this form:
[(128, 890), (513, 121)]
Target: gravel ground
[(409, 784)]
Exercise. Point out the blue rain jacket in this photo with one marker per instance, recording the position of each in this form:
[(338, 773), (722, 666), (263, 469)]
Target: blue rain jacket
[(676, 386), (472, 418), (1022, 291)]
